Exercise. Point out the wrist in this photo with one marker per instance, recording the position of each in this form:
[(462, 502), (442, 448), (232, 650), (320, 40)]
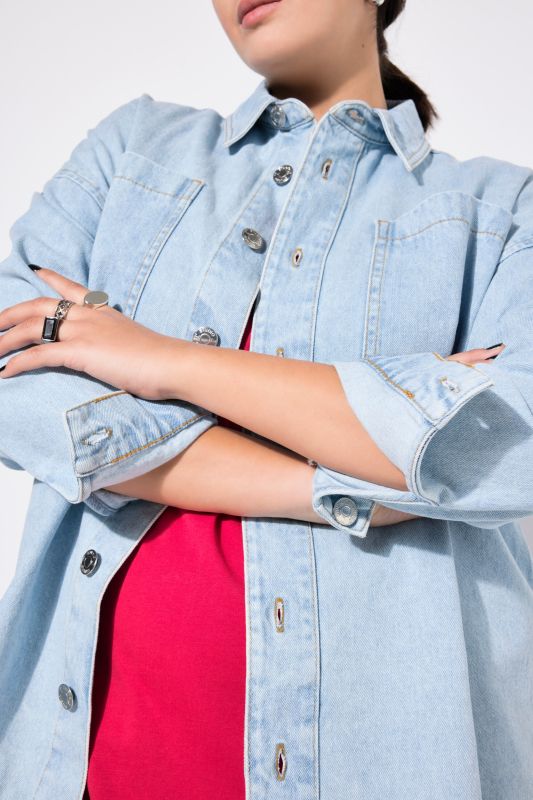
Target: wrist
[(301, 498), (175, 356)]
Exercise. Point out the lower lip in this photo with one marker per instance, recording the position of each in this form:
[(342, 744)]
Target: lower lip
[(258, 13)]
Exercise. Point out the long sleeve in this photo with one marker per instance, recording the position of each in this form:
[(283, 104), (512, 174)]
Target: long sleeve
[(63, 427), (462, 435)]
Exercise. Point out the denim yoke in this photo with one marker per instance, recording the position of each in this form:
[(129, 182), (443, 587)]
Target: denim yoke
[(382, 662)]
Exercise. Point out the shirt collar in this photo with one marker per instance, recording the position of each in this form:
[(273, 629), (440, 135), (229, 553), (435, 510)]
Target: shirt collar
[(399, 123)]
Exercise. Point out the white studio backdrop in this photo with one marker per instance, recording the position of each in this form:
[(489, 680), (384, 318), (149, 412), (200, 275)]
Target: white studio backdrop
[(63, 66)]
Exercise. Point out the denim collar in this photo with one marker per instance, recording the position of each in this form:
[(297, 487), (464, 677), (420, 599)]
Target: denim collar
[(399, 123)]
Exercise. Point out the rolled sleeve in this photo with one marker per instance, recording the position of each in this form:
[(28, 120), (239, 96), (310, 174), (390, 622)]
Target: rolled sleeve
[(461, 434), (116, 437), (63, 427), (402, 401)]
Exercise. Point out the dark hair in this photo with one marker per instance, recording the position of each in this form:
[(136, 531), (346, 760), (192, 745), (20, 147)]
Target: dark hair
[(396, 84)]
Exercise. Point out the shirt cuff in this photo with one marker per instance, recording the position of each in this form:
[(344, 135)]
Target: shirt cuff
[(402, 401), (118, 436)]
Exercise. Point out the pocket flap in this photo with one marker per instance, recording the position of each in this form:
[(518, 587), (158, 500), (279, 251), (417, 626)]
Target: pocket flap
[(150, 175)]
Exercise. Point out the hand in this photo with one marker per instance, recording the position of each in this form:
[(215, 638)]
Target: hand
[(101, 342)]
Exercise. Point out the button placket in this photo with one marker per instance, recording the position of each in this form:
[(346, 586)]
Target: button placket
[(293, 702), (233, 265)]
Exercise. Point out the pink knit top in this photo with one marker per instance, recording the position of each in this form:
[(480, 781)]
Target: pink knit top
[(168, 695)]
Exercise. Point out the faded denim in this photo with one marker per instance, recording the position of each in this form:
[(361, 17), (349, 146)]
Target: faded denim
[(403, 669)]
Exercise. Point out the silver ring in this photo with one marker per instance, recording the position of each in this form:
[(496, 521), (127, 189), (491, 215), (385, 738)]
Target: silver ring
[(51, 324), (96, 299)]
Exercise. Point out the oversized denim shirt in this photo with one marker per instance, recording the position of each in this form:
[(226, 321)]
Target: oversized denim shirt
[(384, 662)]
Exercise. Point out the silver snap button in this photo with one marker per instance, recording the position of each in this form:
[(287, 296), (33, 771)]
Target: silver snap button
[(66, 696), (345, 511), (89, 562), (253, 239), (206, 335), (283, 174), (277, 115)]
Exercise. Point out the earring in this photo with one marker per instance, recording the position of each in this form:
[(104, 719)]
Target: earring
[(379, 2)]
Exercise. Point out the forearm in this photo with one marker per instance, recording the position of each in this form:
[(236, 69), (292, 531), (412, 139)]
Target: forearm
[(228, 471), (299, 404)]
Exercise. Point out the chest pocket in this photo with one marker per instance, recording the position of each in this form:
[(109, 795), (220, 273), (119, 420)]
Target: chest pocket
[(144, 206), (429, 266)]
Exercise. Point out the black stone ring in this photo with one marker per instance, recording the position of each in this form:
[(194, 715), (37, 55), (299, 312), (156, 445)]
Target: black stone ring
[(51, 324)]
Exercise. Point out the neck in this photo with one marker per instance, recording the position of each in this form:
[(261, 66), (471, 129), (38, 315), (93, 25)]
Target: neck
[(366, 85)]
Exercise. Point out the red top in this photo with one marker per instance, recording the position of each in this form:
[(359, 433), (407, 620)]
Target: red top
[(169, 685)]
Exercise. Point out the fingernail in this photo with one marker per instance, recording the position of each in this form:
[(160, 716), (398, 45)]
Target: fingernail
[(33, 267), (494, 345), (1, 368)]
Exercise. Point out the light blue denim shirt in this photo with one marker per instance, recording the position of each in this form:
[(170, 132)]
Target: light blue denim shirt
[(384, 663)]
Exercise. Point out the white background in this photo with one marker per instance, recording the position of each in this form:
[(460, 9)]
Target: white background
[(64, 65)]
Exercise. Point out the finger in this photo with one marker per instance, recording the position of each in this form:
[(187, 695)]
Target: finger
[(42, 355), (29, 331), (69, 289), (477, 354), (482, 352), (37, 307)]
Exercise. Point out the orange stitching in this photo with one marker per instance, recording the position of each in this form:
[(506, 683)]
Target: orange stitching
[(159, 439), (376, 366), (436, 222), (159, 191), (104, 397)]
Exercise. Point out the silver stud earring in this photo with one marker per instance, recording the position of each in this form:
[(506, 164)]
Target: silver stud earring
[(379, 2)]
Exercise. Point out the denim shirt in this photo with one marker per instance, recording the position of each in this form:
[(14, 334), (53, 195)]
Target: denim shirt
[(387, 662)]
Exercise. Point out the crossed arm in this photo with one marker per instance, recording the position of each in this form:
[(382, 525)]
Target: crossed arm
[(233, 472), (279, 401), (465, 447), (266, 472)]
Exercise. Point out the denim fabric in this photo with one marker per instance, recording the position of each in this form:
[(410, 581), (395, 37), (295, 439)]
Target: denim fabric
[(403, 669)]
